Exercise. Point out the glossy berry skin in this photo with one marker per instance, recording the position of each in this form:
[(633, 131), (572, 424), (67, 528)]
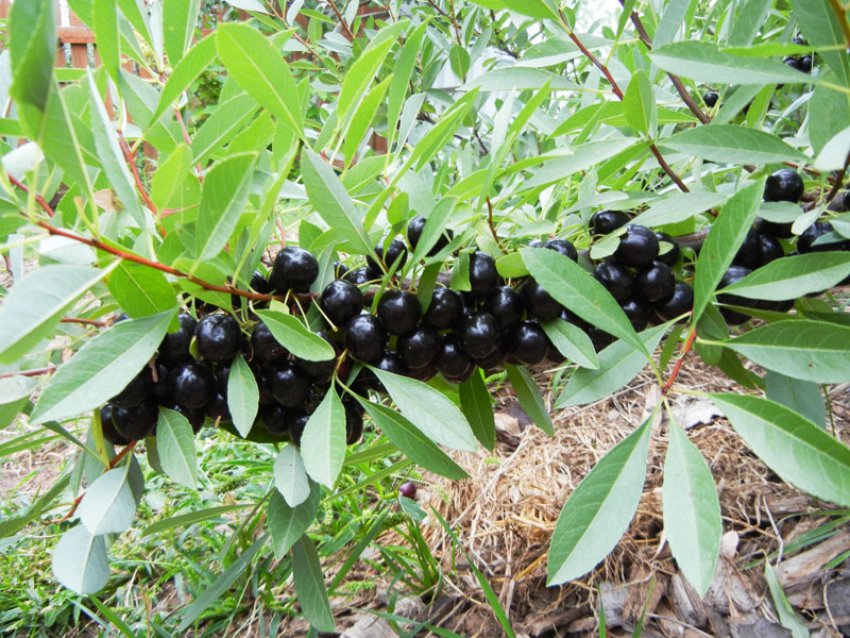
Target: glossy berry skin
[(389, 361), (785, 185), (607, 221), (289, 385), (638, 247), (395, 251), (260, 284), (482, 273), (137, 422), (175, 346), (710, 98), (191, 385), (637, 311), (444, 310), (733, 274), (562, 246), (107, 425), (296, 421), (479, 334), (749, 254), (137, 391), (353, 427), (506, 306), (408, 490), (451, 360), (365, 338), (266, 348), (462, 377), (341, 301), (274, 418), (655, 282), (399, 311), (423, 374), (805, 244), (494, 360), (294, 269), (360, 276), (792, 61), (677, 304), (616, 279), (538, 302), (217, 408), (528, 343), (671, 257), (769, 249), (806, 64), (414, 233), (419, 347), (218, 337)]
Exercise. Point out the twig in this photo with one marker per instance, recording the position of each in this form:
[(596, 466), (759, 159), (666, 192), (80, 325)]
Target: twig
[(85, 322), (35, 372), (490, 222), (839, 181), (131, 162), (455, 25), (38, 198), (686, 348), (345, 29), (842, 19)]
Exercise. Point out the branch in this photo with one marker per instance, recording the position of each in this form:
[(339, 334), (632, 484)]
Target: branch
[(38, 198), (345, 29), (842, 19), (686, 348), (36, 372), (839, 180), (131, 162)]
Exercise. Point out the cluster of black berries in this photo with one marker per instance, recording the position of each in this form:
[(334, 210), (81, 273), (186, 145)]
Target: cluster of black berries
[(804, 63)]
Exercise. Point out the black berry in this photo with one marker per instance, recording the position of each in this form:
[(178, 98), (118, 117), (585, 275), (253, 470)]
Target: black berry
[(414, 233), (562, 246), (341, 301), (749, 254), (319, 370), (479, 334), (289, 385), (107, 425), (260, 284), (505, 304), (353, 426), (418, 348), (538, 302), (365, 338), (671, 256), (362, 275), (655, 282), (444, 311), (710, 98), (175, 345), (733, 274), (137, 422), (296, 421), (266, 348), (616, 279), (395, 251), (680, 302), (137, 391), (191, 385), (408, 490), (274, 418), (806, 241), (770, 249), (218, 337), (638, 247), (528, 343), (399, 311), (294, 269), (637, 312), (451, 360), (482, 273), (785, 185), (607, 221)]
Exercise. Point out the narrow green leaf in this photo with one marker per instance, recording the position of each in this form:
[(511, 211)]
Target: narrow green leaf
[(429, 410), (586, 156), (732, 144), (529, 397), (804, 397), (787, 616), (108, 506), (572, 342), (679, 207), (290, 478), (600, 509), (363, 117), (639, 105), (310, 585), (228, 118), (323, 440), (79, 560), (105, 28), (362, 72), (179, 18), (792, 446), (141, 291), (32, 47), (296, 337), (477, 405), (829, 112), (288, 524), (822, 28), (186, 71), (792, 277), (435, 139), (190, 518), (402, 71), (243, 396), (692, 520), (459, 61), (175, 444)]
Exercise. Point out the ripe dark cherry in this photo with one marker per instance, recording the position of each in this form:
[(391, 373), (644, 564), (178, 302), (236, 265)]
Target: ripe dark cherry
[(770, 248), (365, 338), (749, 254), (479, 334), (399, 311), (389, 361), (554, 355), (414, 233), (353, 426), (266, 348), (638, 247), (137, 391), (274, 418), (175, 345), (341, 301), (528, 343), (733, 274), (444, 310), (806, 64), (615, 278), (424, 373), (462, 377), (191, 384), (296, 420), (538, 302), (294, 269), (137, 422), (710, 98), (494, 360), (418, 348), (655, 282), (482, 273), (671, 256), (451, 360), (319, 370), (637, 312), (785, 185), (218, 337), (680, 302), (506, 305), (217, 408), (260, 284), (607, 221), (195, 416), (806, 242), (792, 61), (562, 246), (289, 385), (360, 276), (408, 490), (395, 251), (107, 425)]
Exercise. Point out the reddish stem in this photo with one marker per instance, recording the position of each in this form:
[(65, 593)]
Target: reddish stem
[(38, 198), (686, 348), (131, 162), (85, 322), (36, 372)]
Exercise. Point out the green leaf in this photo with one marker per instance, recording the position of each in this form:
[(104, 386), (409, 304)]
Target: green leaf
[(179, 18), (295, 336), (529, 397), (731, 144), (459, 61), (35, 304), (833, 154), (619, 363), (106, 33), (108, 506), (705, 62), (290, 478), (141, 291), (226, 190), (175, 444), (429, 410), (792, 277), (79, 560), (573, 287), (544, 9), (815, 351), (402, 70), (792, 446), (310, 585), (363, 118), (360, 75), (477, 406), (679, 207), (186, 71), (259, 68), (727, 234), (822, 29), (582, 158), (323, 440), (288, 524), (692, 520), (243, 396), (32, 48), (788, 618), (829, 112), (572, 342), (190, 518), (639, 105), (333, 203), (435, 139), (804, 397), (412, 442), (599, 510), (101, 368)]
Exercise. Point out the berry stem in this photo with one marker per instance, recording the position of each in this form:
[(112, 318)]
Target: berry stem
[(36, 372), (131, 162), (686, 348), (85, 322)]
